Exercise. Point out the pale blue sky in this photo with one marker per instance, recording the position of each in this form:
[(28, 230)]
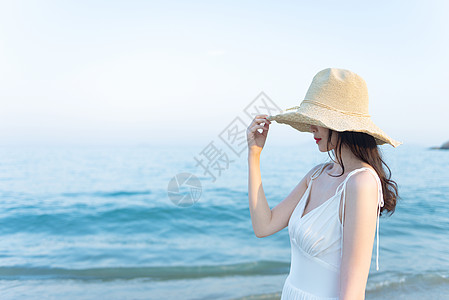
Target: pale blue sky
[(180, 71)]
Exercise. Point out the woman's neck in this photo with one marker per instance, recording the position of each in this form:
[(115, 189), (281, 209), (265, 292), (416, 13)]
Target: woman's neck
[(349, 160)]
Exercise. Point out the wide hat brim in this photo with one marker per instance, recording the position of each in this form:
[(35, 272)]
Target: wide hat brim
[(309, 114)]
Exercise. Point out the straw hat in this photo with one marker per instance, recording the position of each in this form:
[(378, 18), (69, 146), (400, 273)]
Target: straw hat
[(336, 99)]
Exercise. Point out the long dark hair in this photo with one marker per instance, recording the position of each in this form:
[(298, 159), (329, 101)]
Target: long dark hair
[(364, 147)]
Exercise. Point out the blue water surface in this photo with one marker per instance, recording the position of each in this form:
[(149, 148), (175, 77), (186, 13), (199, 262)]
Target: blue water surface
[(82, 222)]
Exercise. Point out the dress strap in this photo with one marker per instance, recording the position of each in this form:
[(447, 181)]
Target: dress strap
[(380, 203), (319, 171)]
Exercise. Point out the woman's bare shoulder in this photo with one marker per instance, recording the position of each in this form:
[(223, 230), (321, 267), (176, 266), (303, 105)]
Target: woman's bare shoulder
[(313, 170), (363, 182)]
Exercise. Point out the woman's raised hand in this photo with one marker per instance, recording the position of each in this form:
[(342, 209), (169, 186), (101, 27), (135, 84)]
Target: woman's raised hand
[(256, 140)]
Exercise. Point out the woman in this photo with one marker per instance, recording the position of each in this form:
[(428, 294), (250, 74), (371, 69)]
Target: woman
[(333, 211)]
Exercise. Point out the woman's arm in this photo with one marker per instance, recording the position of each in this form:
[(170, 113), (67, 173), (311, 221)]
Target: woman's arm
[(268, 221), (258, 205), (359, 228)]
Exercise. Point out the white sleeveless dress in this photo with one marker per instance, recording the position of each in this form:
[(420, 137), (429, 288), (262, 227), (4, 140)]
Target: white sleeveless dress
[(316, 245)]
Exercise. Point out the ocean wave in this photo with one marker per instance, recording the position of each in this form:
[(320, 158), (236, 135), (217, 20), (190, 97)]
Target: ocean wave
[(399, 280), (110, 194), (82, 219), (153, 273)]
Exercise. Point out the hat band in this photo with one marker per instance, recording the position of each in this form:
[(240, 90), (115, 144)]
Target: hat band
[(349, 113)]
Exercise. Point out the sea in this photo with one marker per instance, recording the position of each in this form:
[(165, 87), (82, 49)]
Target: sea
[(173, 222)]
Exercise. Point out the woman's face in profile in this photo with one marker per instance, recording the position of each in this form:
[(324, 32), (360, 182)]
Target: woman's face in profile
[(321, 135)]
